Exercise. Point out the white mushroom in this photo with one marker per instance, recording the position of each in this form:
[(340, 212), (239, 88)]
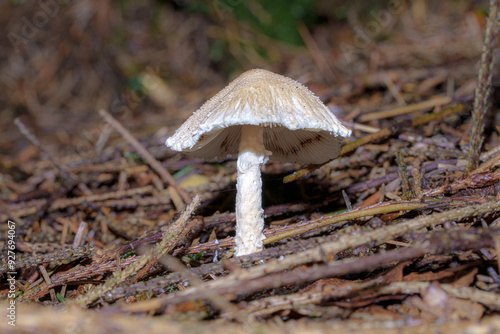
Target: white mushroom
[(260, 114)]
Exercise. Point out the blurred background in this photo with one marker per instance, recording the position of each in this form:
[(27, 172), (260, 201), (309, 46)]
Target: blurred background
[(152, 63)]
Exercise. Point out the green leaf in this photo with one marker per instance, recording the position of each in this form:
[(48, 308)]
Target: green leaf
[(60, 298), (131, 156), (336, 212), (124, 256), (182, 172), (195, 257)]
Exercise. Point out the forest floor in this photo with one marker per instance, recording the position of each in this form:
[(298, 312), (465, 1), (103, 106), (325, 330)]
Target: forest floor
[(400, 233)]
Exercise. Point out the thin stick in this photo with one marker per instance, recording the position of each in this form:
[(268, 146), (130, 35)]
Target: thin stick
[(382, 193), (46, 277), (67, 202), (80, 235), (361, 127), (165, 175), (424, 119), (406, 109), (63, 290), (394, 90), (316, 54), (354, 214), (101, 142), (347, 200)]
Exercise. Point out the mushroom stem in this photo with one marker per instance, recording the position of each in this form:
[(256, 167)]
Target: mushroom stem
[(249, 214)]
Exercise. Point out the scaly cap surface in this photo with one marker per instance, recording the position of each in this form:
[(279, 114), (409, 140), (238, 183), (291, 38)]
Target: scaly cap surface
[(298, 126)]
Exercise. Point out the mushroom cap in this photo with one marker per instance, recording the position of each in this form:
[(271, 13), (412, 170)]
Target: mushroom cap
[(298, 127)]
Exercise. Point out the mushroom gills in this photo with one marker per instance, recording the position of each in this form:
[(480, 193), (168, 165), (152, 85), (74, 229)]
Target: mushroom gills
[(293, 146)]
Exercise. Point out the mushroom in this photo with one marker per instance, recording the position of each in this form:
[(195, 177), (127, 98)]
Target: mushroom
[(260, 114)]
